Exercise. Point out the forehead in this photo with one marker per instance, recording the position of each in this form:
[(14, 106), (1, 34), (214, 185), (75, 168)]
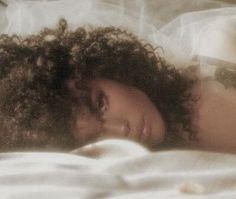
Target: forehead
[(108, 84)]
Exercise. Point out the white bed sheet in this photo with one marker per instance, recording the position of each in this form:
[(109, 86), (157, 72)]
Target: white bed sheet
[(118, 169)]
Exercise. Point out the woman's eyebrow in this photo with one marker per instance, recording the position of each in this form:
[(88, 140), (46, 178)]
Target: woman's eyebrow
[(85, 97)]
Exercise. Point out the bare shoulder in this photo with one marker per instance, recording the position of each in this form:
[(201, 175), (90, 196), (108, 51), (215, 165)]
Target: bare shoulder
[(215, 116)]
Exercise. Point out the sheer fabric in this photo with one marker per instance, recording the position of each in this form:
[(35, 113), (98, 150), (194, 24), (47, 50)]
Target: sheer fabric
[(191, 36)]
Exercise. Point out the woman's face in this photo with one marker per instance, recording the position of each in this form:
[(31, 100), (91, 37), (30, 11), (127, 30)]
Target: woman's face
[(119, 111)]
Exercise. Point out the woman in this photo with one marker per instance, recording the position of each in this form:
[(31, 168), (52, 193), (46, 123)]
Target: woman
[(62, 89)]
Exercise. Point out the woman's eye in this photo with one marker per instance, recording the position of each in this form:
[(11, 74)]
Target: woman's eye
[(101, 103)]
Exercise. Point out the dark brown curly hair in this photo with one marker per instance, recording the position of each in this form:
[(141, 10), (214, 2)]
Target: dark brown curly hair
[(35, 105)]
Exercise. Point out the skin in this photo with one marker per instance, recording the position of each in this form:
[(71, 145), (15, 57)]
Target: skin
[(121, 112), (214, 117)]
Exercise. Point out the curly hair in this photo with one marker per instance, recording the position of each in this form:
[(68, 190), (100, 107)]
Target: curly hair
[(35, 105)]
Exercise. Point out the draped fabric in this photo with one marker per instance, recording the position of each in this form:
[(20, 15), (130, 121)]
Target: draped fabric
[(120, 170), (183, 29)]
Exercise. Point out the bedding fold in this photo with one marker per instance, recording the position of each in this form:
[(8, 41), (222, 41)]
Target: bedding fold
[(117, 169)]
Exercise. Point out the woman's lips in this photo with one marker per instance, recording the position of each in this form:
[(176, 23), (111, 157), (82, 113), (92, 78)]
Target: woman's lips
[(145, 131)]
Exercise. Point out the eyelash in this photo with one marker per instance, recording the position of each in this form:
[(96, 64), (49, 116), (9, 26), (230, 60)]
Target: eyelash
[(101, 102)]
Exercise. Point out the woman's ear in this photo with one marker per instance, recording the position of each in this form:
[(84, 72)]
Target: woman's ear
[(192, 71)]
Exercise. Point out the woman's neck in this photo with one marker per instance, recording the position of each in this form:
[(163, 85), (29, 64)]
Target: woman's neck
[(213, 117)]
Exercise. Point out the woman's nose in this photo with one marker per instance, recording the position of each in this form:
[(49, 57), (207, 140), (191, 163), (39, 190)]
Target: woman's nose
[(86, 129), (90, 128), (115, 128)]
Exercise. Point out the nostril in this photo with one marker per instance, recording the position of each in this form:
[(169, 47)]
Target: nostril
[(86, 128), (116, 127), (126, 129)]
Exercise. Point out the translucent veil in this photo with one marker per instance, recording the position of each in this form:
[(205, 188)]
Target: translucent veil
[(188, 37), (206, 37)]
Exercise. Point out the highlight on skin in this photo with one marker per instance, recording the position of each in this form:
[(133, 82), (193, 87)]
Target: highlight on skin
[(36, 106)]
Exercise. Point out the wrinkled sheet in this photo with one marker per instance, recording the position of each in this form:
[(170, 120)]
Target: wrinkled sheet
[(117, 169)]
